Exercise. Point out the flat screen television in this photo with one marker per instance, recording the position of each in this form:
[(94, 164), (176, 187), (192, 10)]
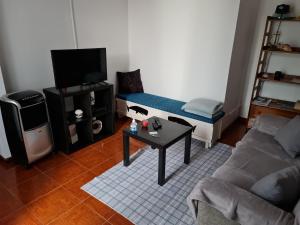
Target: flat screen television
[(74, 67)]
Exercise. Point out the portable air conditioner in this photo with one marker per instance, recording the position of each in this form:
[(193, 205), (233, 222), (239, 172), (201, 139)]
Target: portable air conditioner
[(27, 126)]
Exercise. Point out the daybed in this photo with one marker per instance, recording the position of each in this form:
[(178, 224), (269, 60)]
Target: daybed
[(207, 130)]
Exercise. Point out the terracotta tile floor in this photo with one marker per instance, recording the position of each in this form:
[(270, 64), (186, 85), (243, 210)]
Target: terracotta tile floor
[(49, 192)]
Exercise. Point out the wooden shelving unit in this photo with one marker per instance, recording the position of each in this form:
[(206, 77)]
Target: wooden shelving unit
[(295, 50), (276, 106), (290, 79), (286, 20)]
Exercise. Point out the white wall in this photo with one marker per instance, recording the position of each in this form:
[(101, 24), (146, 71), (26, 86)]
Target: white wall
[(239, 60), (4, 148), (288, 64), (183, 48), (104, 23), (28, 30)]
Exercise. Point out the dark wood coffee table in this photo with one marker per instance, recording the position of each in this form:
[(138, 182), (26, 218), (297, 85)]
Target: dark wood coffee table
[(169, 134)]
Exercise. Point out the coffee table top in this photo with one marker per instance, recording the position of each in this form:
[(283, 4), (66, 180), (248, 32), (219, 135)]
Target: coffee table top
[(169, 134)]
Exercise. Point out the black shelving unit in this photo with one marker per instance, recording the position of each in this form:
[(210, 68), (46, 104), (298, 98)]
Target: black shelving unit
[(62, 105)]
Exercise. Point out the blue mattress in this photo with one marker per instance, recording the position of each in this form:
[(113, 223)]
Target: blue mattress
[(167, 105)]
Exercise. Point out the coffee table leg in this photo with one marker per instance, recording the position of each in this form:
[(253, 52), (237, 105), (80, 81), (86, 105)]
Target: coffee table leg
[(161, 166), (187, 151), (126, 149)]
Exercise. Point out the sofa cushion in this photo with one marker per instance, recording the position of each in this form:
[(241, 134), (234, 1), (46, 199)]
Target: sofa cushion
[(265, 143), (270, 124), (130, 82), (289, 137), (281, 188), (247, 165)]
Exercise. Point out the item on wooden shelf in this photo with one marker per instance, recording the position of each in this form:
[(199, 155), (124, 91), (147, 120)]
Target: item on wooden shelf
[(284, 47), (296, 80), (262, 101), (97, 126), (73, 133), (297, 105), (78, 113), (266, 76), (283, 104), (278, 75), (282, 11)]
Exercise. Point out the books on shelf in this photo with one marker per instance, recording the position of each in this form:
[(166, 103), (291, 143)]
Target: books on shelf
[(283, 104), (262, 101), (297, 105), (296, 80)]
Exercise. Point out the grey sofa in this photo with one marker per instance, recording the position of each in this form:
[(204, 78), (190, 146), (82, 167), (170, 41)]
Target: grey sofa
[(225, 198)]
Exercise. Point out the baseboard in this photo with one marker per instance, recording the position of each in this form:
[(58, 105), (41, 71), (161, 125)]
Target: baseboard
[(230, 117), (243, 120), (8, 159)]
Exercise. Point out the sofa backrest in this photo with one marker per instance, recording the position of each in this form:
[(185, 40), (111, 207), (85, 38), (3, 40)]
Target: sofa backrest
[(270, 124)]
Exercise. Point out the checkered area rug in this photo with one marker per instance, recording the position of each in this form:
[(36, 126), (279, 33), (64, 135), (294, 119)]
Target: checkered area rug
[(133, 191)]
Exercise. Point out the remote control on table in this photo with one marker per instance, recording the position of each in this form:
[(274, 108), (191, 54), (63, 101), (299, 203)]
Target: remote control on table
[(155, 126), (157, 122)]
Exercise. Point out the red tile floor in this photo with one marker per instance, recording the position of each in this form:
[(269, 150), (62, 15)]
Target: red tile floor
[(49, 192)]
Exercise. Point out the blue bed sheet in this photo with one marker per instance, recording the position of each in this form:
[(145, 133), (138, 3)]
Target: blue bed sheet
[(167, 105)]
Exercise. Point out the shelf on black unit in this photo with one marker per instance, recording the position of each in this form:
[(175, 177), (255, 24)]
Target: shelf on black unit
[(99, 111), (73, 120)]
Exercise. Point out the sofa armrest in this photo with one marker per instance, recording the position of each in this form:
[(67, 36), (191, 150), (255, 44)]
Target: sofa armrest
[(236, 204), (210, 216)]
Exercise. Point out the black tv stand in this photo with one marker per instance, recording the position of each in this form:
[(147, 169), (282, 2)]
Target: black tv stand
[(94, 83), (61, 106), (103, 83)]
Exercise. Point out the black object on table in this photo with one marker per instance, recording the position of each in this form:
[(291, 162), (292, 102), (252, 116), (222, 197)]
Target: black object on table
[(169, 134)]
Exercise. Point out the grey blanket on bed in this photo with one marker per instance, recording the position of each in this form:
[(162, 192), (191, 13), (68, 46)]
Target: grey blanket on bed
[(203, 107)]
